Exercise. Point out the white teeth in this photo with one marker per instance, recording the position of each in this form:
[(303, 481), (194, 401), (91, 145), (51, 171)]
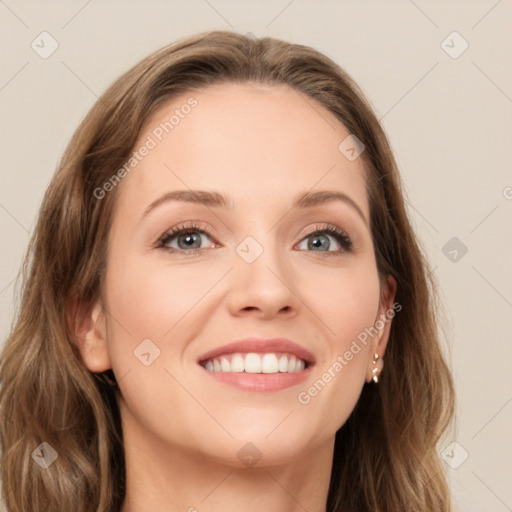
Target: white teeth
[(225, 365), (237, 364), (283, 363), (252, 363), (256, 363), (269, 364)]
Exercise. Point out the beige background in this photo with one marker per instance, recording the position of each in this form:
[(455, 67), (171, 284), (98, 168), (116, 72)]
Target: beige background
[(449, 121)]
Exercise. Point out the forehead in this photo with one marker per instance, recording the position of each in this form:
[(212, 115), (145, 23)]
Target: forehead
[(253, 142)]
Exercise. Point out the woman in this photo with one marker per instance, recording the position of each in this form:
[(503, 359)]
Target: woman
[(221, 265)]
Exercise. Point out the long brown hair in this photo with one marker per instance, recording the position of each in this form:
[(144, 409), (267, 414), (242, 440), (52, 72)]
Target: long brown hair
[(385, 457)]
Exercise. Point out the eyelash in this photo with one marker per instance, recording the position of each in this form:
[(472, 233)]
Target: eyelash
[(341, 237)]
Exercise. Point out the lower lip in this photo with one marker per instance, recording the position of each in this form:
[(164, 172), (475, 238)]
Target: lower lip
[(260, 381)]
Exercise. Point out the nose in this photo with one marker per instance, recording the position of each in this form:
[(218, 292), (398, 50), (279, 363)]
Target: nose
[(263, 288)]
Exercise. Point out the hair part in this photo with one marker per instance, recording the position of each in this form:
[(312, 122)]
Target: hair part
[(385, 456)]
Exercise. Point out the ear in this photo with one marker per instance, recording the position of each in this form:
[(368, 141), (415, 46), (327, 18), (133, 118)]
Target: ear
[(387, 310), (87, 324)]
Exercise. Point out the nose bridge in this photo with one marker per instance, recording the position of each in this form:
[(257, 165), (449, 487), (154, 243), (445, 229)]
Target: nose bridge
[(261, 277)]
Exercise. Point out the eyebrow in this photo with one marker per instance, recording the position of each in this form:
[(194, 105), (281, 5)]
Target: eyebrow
[(214, 199)]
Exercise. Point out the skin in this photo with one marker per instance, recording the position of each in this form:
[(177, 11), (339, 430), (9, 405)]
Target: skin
[(261, 146)]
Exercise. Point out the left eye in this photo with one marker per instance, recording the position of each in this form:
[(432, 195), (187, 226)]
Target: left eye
[(319, 241)]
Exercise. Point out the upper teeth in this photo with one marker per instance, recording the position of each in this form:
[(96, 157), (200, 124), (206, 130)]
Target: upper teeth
[(256, 363)]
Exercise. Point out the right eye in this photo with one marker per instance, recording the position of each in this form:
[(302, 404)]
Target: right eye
[(184, 239)]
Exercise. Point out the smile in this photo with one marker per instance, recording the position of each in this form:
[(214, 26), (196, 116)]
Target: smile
[(271, 362)]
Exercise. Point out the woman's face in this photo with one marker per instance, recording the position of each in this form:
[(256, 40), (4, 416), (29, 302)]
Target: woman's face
[(259, 266)]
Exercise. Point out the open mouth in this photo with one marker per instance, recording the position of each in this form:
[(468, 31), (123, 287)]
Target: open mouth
[(252, 362)]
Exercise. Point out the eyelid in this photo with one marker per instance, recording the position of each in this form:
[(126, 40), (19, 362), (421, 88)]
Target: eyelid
[(325, 226), (185, 226)]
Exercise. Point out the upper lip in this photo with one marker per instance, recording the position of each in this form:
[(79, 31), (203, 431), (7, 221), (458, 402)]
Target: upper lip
[(257, 345)]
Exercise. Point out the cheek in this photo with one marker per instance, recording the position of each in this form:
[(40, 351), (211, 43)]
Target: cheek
[(345, 301), (357, 309), (150, 299), (347, 305), (165, 303), (154, 310)]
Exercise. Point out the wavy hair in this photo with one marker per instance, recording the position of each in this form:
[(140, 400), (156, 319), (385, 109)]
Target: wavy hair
[(385, 455)]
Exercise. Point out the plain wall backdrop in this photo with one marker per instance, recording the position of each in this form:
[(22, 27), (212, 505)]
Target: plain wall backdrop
[(439, 77)]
